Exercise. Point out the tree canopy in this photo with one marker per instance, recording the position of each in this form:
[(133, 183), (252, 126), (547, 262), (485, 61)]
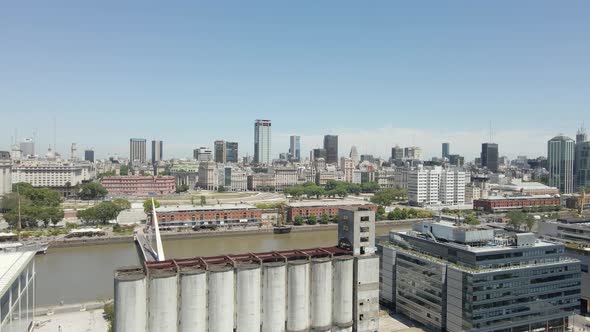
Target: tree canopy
[(37, 204), (101, 213), (387, 196), (122, 203), (518, 220), (92, 190), (147, 205), (182, 188)]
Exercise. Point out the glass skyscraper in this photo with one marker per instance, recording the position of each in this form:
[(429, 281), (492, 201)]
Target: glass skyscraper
[(560, 160), (262, 142)]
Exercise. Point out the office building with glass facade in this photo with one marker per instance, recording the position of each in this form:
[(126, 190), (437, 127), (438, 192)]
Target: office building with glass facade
[(460, 278), (17, 291)]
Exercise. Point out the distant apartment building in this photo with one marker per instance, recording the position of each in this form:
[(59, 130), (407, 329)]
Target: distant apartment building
[(208, 178), (137, 150), (203, 154), (89, 155), (323, 176), (446, 150), (435, 186), (456, 160), (502, 204), (225, 152), (27, 148), (452, 277), (5, 173), (285, 177), (347, 165), (331, 147), (413, 153), (261, 182), (219, 150), (295, 148), (262, 142), (489, 156), (385, 178), (397, 153), (157, 151), (139, 185), (234, 179)]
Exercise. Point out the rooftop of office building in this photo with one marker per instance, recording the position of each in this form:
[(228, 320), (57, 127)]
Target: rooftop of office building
[(474, 239)]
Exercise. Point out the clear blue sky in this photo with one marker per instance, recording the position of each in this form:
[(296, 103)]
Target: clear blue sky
[(377, 73)]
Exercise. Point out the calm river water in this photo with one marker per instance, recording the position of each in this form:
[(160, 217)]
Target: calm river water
[(82, 274)]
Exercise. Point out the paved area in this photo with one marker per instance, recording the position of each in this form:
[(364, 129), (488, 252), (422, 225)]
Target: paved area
[(395, 323), (80, 321)]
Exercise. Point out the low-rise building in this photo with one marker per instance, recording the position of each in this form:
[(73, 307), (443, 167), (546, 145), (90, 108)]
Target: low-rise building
[(183, 216), (502, 204), (261, 182), (452, 277), (139, 185), (317, 208)]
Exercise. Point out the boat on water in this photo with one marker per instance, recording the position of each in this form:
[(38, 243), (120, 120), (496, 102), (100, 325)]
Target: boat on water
[(282, 229), (38, 247)]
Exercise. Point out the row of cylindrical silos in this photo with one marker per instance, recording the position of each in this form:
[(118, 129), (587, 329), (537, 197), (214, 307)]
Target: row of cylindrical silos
[(300, 295)]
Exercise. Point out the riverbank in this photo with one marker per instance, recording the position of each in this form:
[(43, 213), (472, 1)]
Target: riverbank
[(190, 234)]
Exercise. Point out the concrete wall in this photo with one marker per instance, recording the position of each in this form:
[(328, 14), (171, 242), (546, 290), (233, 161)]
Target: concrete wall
[(366, 293)]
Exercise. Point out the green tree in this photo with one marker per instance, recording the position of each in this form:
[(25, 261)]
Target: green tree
[(147, 206), (314, 191), (298, 220), (203, 200), (124, 170), (516, 219), (325, 219), (380, 210), (101, 213), (182, 188), (529, 223), (92, 190), (221, 189), (122, 203), (383, 197), (312, 220), (369, 187), (471, 220)]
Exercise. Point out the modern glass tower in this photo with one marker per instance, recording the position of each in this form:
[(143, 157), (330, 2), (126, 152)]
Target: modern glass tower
[(157, 151), (560, 160), (295, 148), (331, 147), (582, 161), (446, 148), (262, 142), (489, 156)]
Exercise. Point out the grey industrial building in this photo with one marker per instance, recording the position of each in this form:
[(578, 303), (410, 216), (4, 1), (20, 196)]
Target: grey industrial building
[(317, 289), (455, 278)]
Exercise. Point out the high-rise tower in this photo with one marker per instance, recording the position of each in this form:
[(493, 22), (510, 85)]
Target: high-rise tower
[(137, 150), (331, 147), (262, 142), (560, 158), (489, 156), (295, 148)]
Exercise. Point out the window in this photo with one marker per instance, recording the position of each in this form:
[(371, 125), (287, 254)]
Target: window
[(584, 267)]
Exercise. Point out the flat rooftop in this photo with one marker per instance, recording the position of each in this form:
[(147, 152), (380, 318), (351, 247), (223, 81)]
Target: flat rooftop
[(11, 266), (497, 198), (328, 203), (216, 207), (498, 244)]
